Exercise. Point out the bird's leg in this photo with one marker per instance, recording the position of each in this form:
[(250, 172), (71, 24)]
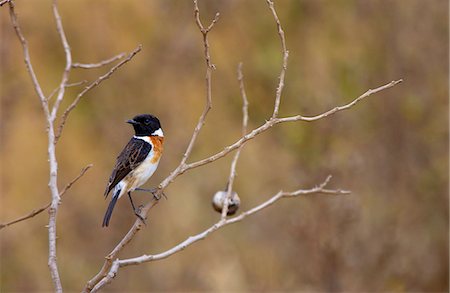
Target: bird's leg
[(152, 191), (136, 212)]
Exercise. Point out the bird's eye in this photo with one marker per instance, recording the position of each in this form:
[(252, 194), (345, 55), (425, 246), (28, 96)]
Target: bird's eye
[(147, 121)]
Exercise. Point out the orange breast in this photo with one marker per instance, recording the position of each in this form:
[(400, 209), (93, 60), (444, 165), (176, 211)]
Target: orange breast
[(157, 142)]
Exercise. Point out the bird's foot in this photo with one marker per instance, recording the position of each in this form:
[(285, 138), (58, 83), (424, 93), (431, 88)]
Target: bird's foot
[(152, 191)]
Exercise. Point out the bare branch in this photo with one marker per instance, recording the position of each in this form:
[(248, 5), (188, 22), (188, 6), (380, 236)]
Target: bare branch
[(285, 54), (43, 208), (244, 99), (238, 152), (340, 108), (68, 54), (53, 181), (144, 211), (99, 64), (69, 185), (137, 226), (273, 121), (67, 85), (209, 68), (112, 263), (90, 87), (26, 55), (218, 225), (50, 120), (51, 153)]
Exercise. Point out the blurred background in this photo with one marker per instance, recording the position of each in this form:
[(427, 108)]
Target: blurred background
[(391, 151)]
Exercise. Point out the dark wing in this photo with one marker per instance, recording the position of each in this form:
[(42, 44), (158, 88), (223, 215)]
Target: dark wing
[(132, 155)]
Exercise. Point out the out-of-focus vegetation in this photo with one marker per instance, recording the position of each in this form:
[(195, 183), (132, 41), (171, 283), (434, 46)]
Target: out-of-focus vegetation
[(391, 234)]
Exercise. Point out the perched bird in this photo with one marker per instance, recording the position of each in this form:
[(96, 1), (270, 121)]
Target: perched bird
[(137, 162)]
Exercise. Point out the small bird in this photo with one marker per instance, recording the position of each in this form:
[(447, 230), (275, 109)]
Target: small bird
[(136, 163)]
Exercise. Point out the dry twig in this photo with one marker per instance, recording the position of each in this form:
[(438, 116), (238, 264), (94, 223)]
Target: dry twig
[(90, 87), (99, 64), (209, 69), (67, 85), (112, 263), (144, 211), (68, 54), (50, 116), (43, 208), (51, 149), (285, 54), (118, 263), (238, 152)]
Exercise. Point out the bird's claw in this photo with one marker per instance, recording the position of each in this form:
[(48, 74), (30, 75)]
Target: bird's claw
[(154, 192)]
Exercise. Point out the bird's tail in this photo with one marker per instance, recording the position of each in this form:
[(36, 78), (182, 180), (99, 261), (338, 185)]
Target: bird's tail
[(110, 208)]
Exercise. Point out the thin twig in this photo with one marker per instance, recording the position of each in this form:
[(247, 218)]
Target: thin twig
[(209, 68), (67, 85), (285, 54), (53, 169), (144, 211), (68, 54), (43, 208), (340, 108), (76, 83), (112, 263), (90, 87), (50, 118), (99, 64), (26, 54), (238, 152), (118, 263), (137, 226), (273, 121)]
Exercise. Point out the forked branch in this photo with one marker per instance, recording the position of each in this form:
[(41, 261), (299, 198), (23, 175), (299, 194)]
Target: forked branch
[(50, 114), (99, 64), (90, 87), (118, 263), (209, 68), (112, 263), (285, 54), (43, 208)]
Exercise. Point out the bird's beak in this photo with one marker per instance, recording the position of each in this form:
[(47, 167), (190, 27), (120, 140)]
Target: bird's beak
[(133, 122)]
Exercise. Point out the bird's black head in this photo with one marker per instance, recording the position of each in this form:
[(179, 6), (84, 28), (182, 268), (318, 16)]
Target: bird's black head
[(145, 125)]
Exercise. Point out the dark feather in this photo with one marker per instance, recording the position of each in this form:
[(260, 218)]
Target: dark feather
[(132, 155), (110, 209)]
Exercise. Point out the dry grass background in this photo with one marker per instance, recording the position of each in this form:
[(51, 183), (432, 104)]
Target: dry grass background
[(391, 234)]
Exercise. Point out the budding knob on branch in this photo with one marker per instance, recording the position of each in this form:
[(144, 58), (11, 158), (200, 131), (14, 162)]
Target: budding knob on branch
[(233, 202)]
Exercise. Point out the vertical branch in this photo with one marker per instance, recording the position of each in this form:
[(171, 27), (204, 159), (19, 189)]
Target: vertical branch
[(112, 263), (209, 68), (238, 152), (285, 54), (53, 184), (244, 100), (51, 139), (26, 55), (66, 72), (101, 275)]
